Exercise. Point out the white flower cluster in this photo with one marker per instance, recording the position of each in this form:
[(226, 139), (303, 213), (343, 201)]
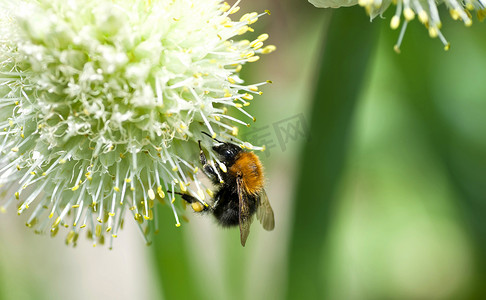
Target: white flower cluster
[(102, 104), (426, 10)]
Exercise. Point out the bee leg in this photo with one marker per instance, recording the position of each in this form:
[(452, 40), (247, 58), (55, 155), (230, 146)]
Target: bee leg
[(195, 204), (207, 168)]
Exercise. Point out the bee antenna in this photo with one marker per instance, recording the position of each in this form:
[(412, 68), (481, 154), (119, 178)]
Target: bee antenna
[(211, 137), (170, 192)]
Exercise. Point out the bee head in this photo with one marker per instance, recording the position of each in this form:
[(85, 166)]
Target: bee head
[(227, 151)]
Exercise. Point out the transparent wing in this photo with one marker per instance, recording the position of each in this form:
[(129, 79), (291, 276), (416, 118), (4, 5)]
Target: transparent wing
[(244, 215), (265, 212)]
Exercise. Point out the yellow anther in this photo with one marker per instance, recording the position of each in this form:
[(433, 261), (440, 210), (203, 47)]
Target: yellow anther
[(99, 220), (98, 230), (253, 88), (217, 118), (18, 167), (132, 188), (269, 49), (197, 206), (230, 79), (75, 206), (243, 30), (238, 68), (395, 22), (128, 180), (17, 195), (51, 215), (15, 149), (32, 173), (454, 14), (255, 42), (62, 161), (196, 169), (22, 135), (258, 46), (44, 174), (74, 188), (225, 7), (175, 168), (173, 199), (244, 43), (210, 193), (3, 209), (423, 17), (246, 104), (263, 148), (409, 14), (263, 37), (56, 223), (238, 105), (247, 97), (433, 32), (108, 229), (267, 12), (70, 237), (116, 189), (151, 194), (178, 225), (234, 131), (183, 187), (54, 231), (213, 135), (227, 93), (111, 214), (11, 123), (114, 235), (223, 167), (248, 54), (246, 17), (253, 58), (234, 10), (160, 192), (82, 226), (447, 47)]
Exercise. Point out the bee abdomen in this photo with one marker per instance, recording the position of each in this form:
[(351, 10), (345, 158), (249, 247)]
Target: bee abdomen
[(226, 209)]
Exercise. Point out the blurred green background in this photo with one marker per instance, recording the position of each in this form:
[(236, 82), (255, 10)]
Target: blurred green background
[(383, 197)]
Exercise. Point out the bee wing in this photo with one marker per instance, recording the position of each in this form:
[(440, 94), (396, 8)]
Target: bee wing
[(244, 212), (265, 212)]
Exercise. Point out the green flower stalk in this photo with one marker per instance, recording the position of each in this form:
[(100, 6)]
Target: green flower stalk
[(103, 102), (426, 10)]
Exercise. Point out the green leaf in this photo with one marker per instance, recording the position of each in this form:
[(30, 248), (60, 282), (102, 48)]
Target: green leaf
[(346, 51)]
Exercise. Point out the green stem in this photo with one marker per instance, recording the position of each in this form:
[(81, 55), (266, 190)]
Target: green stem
[(177, 280), (347, 49)]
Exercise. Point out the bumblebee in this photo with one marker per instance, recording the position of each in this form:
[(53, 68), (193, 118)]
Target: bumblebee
[(240, 189)]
